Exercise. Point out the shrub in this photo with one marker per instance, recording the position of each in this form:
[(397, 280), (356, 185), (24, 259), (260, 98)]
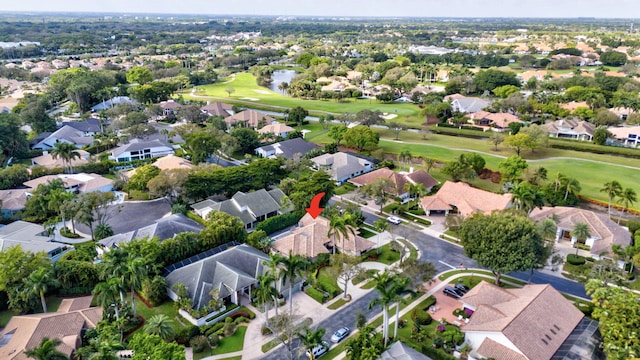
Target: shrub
[(182, 336), (198, 343), (212, 329), (423, 318), (155, 290), (265, 331), (279, 222), (574, 259), (315, 295), (240, 319), (214, 340), (430, 301)]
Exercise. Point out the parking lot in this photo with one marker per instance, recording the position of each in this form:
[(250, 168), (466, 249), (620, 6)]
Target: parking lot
[(444, 306)]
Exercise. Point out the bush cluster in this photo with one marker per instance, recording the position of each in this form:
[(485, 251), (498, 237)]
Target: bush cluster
[(316, 295), (574, 259), (279, 222)]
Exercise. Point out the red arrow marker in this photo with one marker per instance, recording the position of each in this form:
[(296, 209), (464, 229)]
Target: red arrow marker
[(314, 209)]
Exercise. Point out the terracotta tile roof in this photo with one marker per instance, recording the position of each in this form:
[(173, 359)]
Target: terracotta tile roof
[(624, 131), (217, 109), (171, 161), (251, 118), (13, 199), (68, 305), (48, 161), (466, 198), (399, 179), (604, 230), (495, 350), (311, 235), (84, 182), (571, 106), (276, 128), (498, 119), (27, 331), (536, 319)]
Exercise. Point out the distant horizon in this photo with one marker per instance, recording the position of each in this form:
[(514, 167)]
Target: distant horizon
[(463, 9)]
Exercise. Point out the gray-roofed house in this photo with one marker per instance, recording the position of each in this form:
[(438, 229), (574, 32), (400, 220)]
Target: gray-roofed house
[(67, 134), (164, 228), (288, 149), (469, 104), (571, 129), (114, 101), (138, 149), (31, 237), (342, 166), (90, 126), (233, 273), (402, 351), (251, 208)]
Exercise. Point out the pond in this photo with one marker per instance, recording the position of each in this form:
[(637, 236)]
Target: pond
[(280, 76)]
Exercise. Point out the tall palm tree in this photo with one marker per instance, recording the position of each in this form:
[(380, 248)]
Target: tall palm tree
[(274, 269), (294, 265), (341, 225), (160, 325), (106, 294), (135, 270), (558, 181), (613, 189), (547, 229), (384, 287), (627, 198), (311, 338), (38, 282), (100, 348), (571, 186), (114, 265), (581, 232), (46, 350), (400, 288), (265, 292), (67, 152), (526, 197)]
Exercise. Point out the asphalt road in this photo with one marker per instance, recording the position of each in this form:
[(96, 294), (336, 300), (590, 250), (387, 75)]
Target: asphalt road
[(445, 256)]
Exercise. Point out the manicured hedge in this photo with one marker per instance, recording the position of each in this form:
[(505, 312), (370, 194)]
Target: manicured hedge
[(593, 148), (279, 222), (315, 295), (454, 131), (574, 259)]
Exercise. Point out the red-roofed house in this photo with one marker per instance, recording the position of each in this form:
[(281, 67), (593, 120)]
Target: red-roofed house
[(529, 323), (462, 198), (399, 179)]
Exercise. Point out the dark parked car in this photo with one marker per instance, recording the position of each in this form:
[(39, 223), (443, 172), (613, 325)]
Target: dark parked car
[(462, 288), (453, 292)]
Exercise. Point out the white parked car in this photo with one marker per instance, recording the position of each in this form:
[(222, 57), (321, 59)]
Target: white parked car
[(394, 220), (319, 350), (340, 334)]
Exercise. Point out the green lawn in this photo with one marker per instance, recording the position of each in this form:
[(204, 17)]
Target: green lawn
[(248, 92), (327, 281), (337, 304), (168, 308), (231, 343), (384, 255)]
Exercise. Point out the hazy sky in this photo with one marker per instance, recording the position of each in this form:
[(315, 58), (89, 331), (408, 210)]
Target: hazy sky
[(422, 8)]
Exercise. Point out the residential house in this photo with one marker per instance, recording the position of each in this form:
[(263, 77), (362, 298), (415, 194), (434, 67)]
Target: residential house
[(469, 105), (165, 228), (68, 324), (288, 149), (47, 160), (311, 238), (604, 231), (399, 180), (89, 127), (12, 201), (138, 149), (67, 134), (573, 105), (78, 183), (570, 129), (627, 135), (498, 122), (401, 351), (528, 323), (622, 112), (31, 237), (461, 198), (276, 129), (232, 272), (113, 102), (169, 107), (251, 208), (342, 166), (217, 109), (249, 118), (168, 162)]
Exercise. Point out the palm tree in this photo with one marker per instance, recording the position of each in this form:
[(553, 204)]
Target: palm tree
[(294, 265), (429, 163), (274, 269), (526, 197), (160, 325), (400, 287), (47, 350), (135, 270), (114, 265), (106, 294), (384, 287), (342, 225), (547, 229), (67, 152), (581, 233), (100, 348), (39, 282), (627, 198), (558, 181), (571, 186), (265, 292), (417, 190), (311, 338), (613, 189)]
